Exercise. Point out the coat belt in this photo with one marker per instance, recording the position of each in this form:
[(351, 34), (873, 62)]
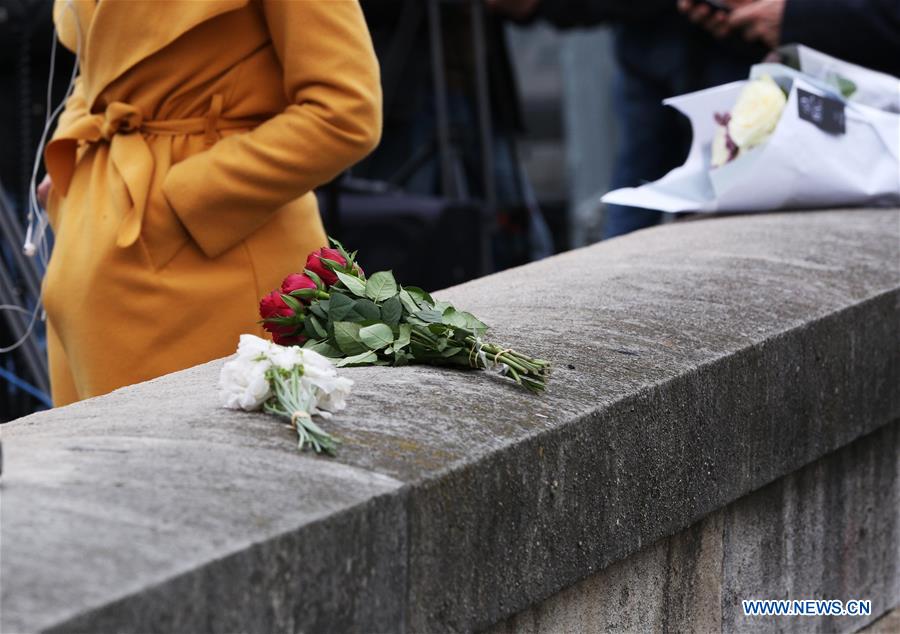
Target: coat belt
[(123, 127)]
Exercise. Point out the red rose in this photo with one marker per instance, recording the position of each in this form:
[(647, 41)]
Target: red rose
[(292, 340), (272, 305), (314, 263), (296, 281)]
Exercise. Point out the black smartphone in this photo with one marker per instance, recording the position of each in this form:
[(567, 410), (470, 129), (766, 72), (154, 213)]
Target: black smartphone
[(715, 5)]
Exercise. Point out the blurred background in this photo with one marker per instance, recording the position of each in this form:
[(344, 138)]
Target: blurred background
[(505, 122)]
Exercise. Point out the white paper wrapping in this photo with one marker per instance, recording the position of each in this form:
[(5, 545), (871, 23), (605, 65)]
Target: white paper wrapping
[(800, 166), (870, 87)]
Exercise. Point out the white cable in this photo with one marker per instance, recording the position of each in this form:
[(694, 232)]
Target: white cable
[(35, 236), (31, 322), (15, 309)]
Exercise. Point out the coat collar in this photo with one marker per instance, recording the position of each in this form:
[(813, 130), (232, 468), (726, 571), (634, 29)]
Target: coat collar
[(117, 34)]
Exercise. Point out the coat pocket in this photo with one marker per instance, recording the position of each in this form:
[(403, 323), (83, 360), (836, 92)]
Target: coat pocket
[(162, 233)]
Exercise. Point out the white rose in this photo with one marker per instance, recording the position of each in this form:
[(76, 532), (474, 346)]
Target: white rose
[(320, 374), (251, 347), (243, 384), (286, 357), (316, 360), (334, 399), (756, 113)]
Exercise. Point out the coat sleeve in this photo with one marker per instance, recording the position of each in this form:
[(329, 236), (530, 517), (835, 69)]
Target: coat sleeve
[(332, 82), (865, 32), (59, 156), (76, 106)]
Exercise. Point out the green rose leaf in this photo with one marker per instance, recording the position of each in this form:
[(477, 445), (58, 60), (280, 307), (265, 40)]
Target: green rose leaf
[(473, 323), (309, 330), (846, 86), (319, 309), (441, 330), (365, 358), (403, 338), (376, 336), (452, 318), (304, 293), (367, 310), (315, 278), (381, 286), (334, 265), (401, 358), (391, 311), (353, 284), (282, 321), (420, 296), (409, 304), (319, 331), (294, 305), (346, 335), (324, 348), (430, 316), (340, 306), (415, 321), (340, 247)]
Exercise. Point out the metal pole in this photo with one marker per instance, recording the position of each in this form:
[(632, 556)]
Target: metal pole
[(401, 48), (25, 106), (441, 106), (483, 97), (12, 230), (18, 325), (485, 129)]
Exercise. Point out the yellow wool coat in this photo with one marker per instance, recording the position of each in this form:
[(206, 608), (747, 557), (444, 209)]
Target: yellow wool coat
[(182, 171)]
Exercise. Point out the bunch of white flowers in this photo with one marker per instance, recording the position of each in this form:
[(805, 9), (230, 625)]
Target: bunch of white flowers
[(288, 381)]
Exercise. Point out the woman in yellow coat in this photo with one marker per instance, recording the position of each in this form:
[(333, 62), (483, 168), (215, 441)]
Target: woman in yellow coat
[(182, 170)]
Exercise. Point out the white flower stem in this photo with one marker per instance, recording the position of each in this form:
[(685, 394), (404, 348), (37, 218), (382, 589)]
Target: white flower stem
[(293, 401)]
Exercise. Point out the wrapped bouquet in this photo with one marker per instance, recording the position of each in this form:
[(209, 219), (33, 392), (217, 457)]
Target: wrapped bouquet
[(784, 139), (333, 308)]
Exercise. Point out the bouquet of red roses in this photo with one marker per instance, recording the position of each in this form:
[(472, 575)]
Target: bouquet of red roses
[(334, 309)]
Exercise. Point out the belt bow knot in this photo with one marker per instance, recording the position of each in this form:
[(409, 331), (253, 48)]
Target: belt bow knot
[(124, 128), (120, 118)]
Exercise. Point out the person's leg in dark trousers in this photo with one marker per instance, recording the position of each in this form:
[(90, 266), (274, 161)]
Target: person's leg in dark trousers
[(654, 138), (641, 132), (652, 142)]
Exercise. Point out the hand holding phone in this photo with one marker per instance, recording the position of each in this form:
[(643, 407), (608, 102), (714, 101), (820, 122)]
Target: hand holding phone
[(710, 14), (715, 5)]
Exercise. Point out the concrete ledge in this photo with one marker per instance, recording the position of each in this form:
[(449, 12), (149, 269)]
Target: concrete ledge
[(697, 362), (828, 531), (887, 624)]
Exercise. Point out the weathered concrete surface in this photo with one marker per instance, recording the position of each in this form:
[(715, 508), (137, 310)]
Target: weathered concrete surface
[(887, 624), (157, 513), (695, 363), (837, 535), (828, 531)]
